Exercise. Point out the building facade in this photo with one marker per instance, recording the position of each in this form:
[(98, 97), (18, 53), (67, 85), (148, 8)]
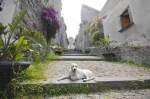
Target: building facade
[(127, 20), (83, 39)]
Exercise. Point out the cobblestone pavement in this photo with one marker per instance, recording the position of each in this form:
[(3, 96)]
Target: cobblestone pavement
[(114, 94), (57, 69)]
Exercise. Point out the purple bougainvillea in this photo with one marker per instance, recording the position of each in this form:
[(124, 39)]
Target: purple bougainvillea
[(51, 23)]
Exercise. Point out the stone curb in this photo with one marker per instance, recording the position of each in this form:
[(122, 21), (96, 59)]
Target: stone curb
[(73, 59), (108, 83), (77, 58), (77, 55)]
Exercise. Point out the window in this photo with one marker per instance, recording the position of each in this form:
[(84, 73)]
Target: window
[(126, 20)]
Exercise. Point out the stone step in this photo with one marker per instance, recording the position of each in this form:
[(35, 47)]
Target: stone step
[(77, 55), (78, 58), (113, 94), (97, 85)]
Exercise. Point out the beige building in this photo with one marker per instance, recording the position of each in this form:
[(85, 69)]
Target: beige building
[(127, 20)]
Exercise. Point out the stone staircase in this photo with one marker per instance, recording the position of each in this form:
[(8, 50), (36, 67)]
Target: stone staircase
[(100, 84), (78, 57)]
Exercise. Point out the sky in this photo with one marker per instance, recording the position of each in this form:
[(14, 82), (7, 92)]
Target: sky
[(71, 11)]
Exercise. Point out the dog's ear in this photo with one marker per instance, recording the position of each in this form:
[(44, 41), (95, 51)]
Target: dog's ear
[(76, 65)]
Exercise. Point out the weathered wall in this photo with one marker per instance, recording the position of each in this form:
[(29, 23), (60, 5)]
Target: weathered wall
[(33, 16), (137, 36), (139, 31), (61, 37), (71, 43), (56, 4), (134, 54), (7, 12), (87, 13), (138, 55), (83, 39)]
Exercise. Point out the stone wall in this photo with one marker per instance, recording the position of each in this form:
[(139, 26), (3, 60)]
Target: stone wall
[(83, 39), (33, 18), (138, 55), (95, 51), (7, 12), (87, 13), (61, 37), (71, 43)]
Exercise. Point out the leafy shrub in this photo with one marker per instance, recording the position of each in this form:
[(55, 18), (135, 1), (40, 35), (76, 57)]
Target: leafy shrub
[(96, 37), (36, 70), (12, 45), (105, 40)]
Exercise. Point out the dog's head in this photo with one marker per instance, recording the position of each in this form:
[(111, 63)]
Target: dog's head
[(74, 67)]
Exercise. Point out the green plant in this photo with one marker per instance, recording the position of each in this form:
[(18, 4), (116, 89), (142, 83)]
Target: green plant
[(105, 44), (36, 70), (96, 37), (38, 44), (105, 40), (35, 37), (12, 45)]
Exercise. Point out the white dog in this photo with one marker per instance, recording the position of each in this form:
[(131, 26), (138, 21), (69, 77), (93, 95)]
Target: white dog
[(78, 74)]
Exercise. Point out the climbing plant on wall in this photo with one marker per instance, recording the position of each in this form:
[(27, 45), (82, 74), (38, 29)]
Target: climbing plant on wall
[(51, 23)]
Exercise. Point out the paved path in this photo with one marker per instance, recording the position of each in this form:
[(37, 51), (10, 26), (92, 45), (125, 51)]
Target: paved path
[(105, 72), (102, 69)]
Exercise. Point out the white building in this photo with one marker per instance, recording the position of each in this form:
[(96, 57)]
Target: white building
[(127, 20)]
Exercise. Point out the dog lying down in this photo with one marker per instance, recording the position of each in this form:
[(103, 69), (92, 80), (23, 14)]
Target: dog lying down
[(78, 74)]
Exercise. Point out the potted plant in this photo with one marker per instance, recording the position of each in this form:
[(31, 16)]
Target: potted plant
[(13, 48), (107, 49)]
